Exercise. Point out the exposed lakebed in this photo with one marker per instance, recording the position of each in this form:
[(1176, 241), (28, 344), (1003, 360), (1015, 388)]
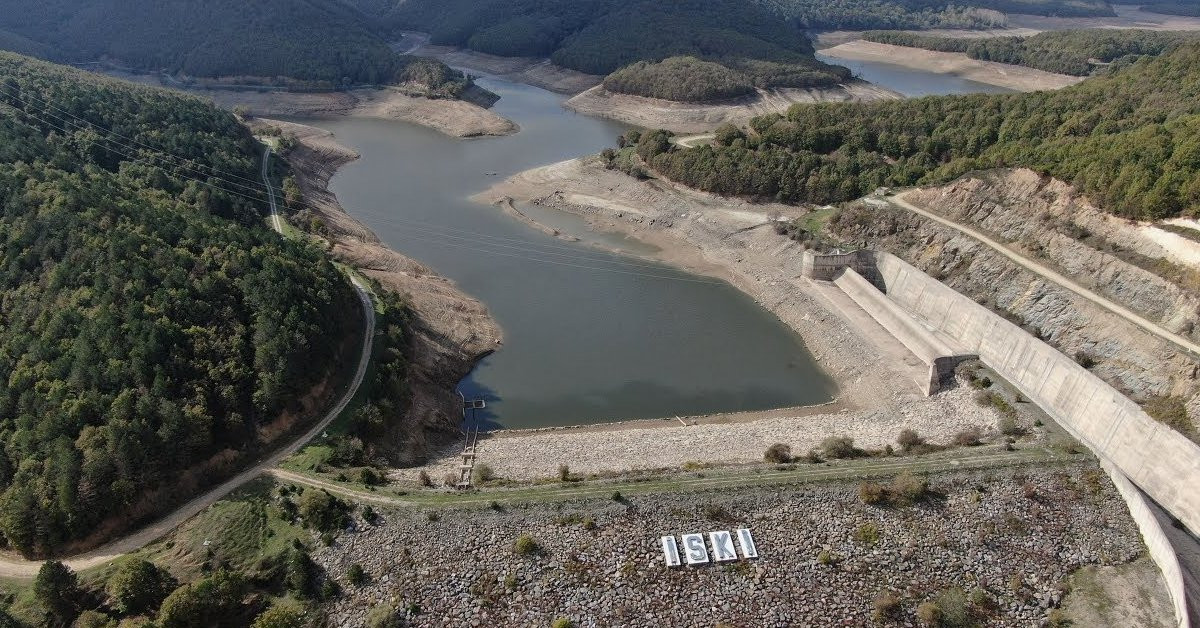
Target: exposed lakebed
[(590, 335)]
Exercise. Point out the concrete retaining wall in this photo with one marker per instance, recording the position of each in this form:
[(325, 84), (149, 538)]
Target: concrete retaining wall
[(828, 267)]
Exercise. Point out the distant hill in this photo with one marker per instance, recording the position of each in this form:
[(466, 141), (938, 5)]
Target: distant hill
[(1076, 52), (1129, 140), (322, 43), (150, 325), (601, 36)]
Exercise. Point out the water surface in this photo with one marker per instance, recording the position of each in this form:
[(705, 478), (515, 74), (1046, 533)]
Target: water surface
[(911, 82), (590, 336)]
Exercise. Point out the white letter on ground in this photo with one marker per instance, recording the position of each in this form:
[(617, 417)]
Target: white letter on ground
[(670, 551), (722, 544), (693, 545), (747, 543)]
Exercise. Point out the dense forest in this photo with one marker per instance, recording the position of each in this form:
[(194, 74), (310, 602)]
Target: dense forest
[(1129, 140), (602, 36), (891, 14), (1076, 52), (150, 324), (319, 43)]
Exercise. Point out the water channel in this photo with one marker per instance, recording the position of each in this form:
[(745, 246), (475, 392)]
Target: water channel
[(590, 336)]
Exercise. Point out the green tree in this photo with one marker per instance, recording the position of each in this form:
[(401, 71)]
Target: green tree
[(214, 601), (278, 616), (56, 588), (139, 586)]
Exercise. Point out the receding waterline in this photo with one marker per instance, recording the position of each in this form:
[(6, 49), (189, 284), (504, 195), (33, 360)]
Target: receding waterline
[(590, 336)]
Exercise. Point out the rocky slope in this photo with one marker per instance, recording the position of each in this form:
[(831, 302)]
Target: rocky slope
[(1014, 534), (1046, 219)]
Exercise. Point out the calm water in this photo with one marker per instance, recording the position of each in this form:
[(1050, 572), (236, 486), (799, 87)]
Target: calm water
[(589, 336), (912, 82)]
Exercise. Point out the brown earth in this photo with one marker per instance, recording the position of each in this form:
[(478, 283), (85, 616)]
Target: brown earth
[(452, 331)]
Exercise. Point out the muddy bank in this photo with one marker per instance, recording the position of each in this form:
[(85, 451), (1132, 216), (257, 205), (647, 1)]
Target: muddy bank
[(701, 117), (457, 118), (954, 63), (451, 330)]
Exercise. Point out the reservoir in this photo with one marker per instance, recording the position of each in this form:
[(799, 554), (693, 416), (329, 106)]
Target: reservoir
[(590, 336), (910, 82)]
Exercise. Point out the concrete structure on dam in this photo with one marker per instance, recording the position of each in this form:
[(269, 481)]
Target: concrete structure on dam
[(1130, 444)]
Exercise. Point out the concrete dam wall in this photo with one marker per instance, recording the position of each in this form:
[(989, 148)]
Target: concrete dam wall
[(1129, 443)]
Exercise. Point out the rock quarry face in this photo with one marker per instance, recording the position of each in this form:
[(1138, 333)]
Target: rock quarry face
[(1046, 220), (1015, 534)]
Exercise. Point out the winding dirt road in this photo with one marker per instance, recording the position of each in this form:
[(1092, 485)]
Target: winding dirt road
[(14, 566), (1053, 276)]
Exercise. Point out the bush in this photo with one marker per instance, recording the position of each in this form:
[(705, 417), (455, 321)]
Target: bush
[(713, 512), (562, 622), (384, 616), (970, 437), (206, 602), (867, 533), (323, 511), (564, 473), (955, 608), (482, 473), (887, 606), (779, 453), (280, 617), (907, 488), (1084, 359), (1171, 411), (56, 587), (827, 557), (355, 575), (424, 479), (616, 496), (450, 480), (839, 447), (908, 439), (929, 614), (871, 493), (526, 546), (1009, 426)]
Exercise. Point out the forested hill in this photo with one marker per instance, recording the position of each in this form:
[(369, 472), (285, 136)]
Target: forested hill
[(756, 47), (322, 43), (1077, 52), (1129, 140), (149, 323)]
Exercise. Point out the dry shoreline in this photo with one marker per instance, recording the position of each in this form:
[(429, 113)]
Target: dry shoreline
[(953, 63), (457, 118)]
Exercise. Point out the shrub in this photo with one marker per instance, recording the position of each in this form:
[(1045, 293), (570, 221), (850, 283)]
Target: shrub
[(56, 587), (867, 533), (355, 575), (482, 473), (929, 614), (839, 447), (205, 602), (1009, 426), (323, 511), (424, 479), (450, 480), (970, 437), (564, 473), (369, 515), (526, 545), (955, 608), (887, 606), (1084, 359), (384, 616), (369, 477), (616, 496), (908, 439), (827, 557), (432, 516), (907, 488), (279, 616), (871, 493), (562, 622), (779, 453)]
